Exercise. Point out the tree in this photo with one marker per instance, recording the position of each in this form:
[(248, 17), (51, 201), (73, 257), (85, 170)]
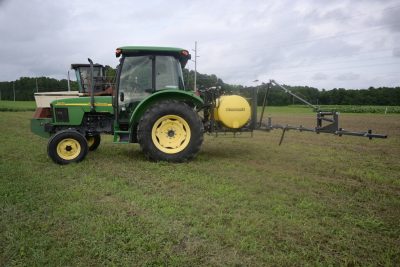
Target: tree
[(25, 87)]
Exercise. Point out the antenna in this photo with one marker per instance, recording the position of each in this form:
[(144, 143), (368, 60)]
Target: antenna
[(195, 66)]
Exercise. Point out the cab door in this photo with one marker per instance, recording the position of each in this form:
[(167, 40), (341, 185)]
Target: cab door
[(135, 84)]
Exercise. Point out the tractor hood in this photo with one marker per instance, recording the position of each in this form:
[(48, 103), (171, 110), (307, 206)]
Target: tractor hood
[(101, 103)]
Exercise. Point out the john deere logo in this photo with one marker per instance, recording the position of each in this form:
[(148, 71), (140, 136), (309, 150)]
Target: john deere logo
[(235, 109)]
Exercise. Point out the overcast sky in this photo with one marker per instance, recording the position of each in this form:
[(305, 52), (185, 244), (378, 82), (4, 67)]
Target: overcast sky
[(325, 44)]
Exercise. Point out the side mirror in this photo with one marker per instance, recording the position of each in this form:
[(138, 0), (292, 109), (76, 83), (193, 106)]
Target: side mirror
[(121, 96)]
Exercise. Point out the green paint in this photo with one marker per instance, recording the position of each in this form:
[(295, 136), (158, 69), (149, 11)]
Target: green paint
[(77, 107), (186, 96), (37, 127), (154, 50)]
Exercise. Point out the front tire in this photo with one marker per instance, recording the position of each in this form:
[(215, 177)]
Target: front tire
[(170, 131), (67, 146), (93, 141)]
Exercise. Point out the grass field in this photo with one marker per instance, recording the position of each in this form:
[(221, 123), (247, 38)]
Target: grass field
[(17, 105), (315, 200), (357, 109)]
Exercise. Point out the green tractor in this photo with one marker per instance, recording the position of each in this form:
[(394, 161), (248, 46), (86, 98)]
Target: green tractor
[(149, 105)]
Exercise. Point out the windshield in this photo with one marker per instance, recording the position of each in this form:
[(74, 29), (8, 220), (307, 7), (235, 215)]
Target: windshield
[(168, 73), (135, 81), (142, 75), (83, 76)]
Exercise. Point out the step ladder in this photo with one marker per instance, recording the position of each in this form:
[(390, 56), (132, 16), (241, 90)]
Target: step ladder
[(121, 137)]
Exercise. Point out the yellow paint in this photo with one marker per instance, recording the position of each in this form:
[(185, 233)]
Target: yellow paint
[(68, 149), (232, 111), (83, 104), (171, 134), (90, 140)]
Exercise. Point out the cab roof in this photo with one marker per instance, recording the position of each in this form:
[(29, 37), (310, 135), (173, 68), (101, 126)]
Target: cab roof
[(77, 65), (180, 53)]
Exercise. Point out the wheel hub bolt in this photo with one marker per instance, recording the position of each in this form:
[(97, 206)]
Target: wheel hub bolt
[(171, 133)]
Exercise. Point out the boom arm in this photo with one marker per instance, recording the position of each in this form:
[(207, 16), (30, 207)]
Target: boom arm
[(292, 94), (329, 117)]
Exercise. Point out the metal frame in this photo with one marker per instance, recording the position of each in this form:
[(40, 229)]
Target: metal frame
[(331, 117), (327, 121), (210, 96)]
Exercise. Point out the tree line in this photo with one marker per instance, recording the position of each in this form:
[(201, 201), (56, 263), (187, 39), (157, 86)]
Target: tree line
[(385, 96), (25, 87)]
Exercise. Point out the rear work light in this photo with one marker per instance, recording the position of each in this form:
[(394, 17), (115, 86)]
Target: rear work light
[(118, 52)]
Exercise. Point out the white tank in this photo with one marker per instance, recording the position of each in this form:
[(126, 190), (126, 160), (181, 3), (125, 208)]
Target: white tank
[(43, 99)]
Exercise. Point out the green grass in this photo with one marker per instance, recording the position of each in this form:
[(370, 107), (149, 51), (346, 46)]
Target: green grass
[(17, 105), (355, 108), (315, 200), (294, 109)]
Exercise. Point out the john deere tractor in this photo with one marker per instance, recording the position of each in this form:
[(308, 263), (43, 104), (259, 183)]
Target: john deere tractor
[(150, 105)]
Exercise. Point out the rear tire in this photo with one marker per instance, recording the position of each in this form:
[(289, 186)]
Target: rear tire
[(170, 131), (67, 146), (93, 141)]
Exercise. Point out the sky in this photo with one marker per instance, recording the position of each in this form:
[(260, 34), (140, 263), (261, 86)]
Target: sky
[(324, 44)]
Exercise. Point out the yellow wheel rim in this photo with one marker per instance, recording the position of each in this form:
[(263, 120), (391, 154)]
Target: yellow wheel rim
[(90, 140), (171, 134), (68, 149)]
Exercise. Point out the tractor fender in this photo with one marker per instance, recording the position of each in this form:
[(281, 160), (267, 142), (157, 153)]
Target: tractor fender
[(185, 96)]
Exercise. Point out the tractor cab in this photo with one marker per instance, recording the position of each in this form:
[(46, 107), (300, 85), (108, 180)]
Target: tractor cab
[(102, 85), (144, 71)]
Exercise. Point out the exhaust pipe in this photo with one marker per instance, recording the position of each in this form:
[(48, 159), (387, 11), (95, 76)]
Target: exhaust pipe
[(92, 109)]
